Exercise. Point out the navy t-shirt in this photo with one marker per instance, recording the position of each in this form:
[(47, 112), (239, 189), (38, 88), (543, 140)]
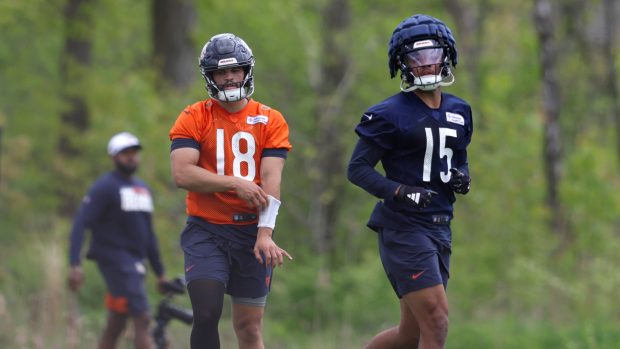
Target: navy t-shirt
[(118, 211)]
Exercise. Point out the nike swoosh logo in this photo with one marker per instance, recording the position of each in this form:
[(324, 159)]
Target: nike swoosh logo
[(417, 275), (189, 268)]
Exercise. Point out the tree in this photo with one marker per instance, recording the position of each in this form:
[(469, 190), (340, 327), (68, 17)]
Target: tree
[(76, 57), (610, 58), (331, 87), (470, 21), (173, 49), (545, 23), (75, 119)]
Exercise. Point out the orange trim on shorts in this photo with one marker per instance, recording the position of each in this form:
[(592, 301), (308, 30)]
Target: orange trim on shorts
[(116, 304)]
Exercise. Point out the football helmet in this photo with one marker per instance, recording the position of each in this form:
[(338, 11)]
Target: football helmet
[(227, 51), (423, 49)]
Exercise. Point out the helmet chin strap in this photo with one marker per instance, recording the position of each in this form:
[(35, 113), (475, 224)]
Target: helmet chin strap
[(232, 95), (422, 83)]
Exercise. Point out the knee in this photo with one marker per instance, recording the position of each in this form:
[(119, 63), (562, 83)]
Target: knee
[(408, 339), (248, 330), (142, 321), (439, 323), (206, 317)]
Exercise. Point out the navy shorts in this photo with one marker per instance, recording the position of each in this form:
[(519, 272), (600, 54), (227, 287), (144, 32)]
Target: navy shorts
[(413, 260), (208, 255), (125, 282)]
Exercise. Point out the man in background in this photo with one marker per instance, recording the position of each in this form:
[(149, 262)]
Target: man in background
[(118, 210)]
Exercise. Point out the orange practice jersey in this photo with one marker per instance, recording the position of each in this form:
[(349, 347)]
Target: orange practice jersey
[(231, 145)]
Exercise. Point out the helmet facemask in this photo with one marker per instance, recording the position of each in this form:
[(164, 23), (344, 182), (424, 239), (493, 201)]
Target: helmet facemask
[(424, 65), (223, 93)]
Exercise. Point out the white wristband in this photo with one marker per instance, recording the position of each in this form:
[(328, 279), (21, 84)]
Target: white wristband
[(267, 216)]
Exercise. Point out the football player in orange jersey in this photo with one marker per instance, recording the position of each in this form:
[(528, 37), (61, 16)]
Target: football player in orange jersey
[(228, 152)]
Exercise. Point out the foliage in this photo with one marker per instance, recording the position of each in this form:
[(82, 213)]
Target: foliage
[(508, 287)]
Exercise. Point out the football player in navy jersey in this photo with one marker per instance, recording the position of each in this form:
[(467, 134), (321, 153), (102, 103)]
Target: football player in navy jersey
[(420, 135), (118, 211)]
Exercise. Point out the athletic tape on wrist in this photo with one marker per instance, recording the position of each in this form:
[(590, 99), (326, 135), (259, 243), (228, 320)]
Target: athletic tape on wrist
[(267, 216)]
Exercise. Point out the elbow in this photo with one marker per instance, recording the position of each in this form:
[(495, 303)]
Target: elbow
[(180, 179), (353, 173), (178, 182), (349, 173), (181, 184)]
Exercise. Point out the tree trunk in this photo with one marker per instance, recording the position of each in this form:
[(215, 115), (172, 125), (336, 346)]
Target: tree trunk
[(173, 50), (609, 57), (471, 45), (332, 87), (76, 59), (552, 152), (75, 118)]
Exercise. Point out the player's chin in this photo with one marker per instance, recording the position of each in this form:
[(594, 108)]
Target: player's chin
[(230, 87)]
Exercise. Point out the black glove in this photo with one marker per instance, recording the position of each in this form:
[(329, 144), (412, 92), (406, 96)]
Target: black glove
[(459, 182), (417, 197)]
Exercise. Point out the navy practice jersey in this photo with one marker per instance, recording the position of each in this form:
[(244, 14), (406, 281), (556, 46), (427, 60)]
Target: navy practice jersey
[(118, 211), (417, 146)]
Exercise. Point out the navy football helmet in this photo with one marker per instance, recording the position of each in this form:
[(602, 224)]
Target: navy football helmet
[(423, 49), (227, 51)]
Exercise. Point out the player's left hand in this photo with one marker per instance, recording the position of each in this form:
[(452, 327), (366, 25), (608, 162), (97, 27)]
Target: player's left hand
[(76, 278), (267, 248), (459, 181)]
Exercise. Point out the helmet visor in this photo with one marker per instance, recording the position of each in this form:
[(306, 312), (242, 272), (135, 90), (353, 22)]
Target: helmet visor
[(423, 57)]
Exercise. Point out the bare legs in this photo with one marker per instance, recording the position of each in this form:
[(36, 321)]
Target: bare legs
[(423, 322), (116, 325), (248, 323)]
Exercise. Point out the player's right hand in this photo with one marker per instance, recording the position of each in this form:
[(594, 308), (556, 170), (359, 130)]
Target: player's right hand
[(251, 193), (417, 197)]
